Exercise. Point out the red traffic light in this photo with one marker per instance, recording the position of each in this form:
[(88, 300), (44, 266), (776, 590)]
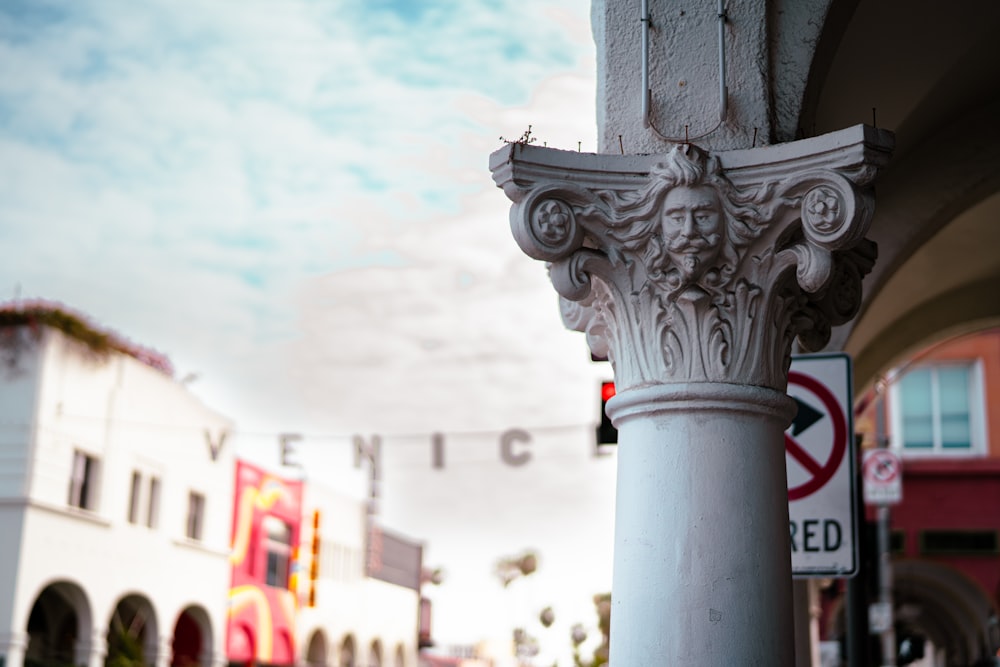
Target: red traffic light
[(607, 390), (607, 434)]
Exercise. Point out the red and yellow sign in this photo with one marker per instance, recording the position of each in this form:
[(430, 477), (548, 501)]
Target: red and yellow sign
[(267, 516)]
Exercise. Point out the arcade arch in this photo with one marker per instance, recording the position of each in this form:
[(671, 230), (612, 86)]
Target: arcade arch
[(59, 625), (193, 642), (316, 649), (347, 652), (133, 630), (943, 605), (938, 199)]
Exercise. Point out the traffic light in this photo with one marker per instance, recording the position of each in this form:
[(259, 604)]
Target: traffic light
[(607, 434)]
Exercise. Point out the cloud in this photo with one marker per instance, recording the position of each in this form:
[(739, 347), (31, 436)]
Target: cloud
[(293, 200)]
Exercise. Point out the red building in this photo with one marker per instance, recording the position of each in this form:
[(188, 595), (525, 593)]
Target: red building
[(938, 412), (267, 516)]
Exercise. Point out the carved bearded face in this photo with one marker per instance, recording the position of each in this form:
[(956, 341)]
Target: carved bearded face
[(693, 225)]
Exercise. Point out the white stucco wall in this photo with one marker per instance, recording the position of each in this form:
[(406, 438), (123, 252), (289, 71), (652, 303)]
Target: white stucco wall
[(769, 50), (348, 603), (131, 418)]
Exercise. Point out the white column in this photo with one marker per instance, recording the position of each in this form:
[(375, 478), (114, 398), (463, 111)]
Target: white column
[(214, 659), (164, 651), (12, 648), (701, 528), (92, 652), (693, 273)]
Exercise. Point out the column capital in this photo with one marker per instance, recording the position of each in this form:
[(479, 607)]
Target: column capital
[(698, 267)]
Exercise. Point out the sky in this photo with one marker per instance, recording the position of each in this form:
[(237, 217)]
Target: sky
[(291, 201)]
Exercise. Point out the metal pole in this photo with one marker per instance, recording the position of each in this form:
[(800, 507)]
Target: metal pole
[(803, 617), (857, 598), (885, 586), (644, 48), (723, 89)]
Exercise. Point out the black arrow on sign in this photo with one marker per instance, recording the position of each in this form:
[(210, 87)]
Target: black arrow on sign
[(805, 417)]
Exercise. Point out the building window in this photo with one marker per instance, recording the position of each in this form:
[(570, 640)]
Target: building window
[(133, 497), (278, 544), (195, 516), (959, 542), (897, 542), (153, 506), (939, 410), (83, 481)]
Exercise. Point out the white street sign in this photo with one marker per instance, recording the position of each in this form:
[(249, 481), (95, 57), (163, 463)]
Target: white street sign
[(819, 457), (882, 472), (879, 617)]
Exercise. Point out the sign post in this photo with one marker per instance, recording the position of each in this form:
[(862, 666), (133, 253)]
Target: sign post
[(820, 462), (882, 473)]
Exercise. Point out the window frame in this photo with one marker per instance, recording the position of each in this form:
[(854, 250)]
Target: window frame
[(976, 407), (278, 552), (153, 502), (84, 479), (929, 536), (194, 528), (134, 497)]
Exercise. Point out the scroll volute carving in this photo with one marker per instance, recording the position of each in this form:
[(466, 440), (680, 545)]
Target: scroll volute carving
[(685, 277)]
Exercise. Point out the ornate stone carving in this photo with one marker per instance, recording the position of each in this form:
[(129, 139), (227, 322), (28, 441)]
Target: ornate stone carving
[(678, 273)]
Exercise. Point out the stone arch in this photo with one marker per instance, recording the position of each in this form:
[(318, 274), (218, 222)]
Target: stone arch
[(967, 309), (192, 642), (242, 643), (375, 653), (284, 645), (835, 23), (946, 162), (400, 660), (60, 625), (133, 629), (317, 652), (947, 607), (932, 203), (941, 604), (348, 652)]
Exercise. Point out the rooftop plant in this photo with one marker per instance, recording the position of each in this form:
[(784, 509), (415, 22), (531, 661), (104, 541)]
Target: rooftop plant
[(37, 313)]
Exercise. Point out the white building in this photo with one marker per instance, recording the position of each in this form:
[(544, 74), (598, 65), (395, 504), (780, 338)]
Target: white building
[(357, 619), (116, 491)]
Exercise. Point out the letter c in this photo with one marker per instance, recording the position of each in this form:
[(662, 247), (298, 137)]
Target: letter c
[(507, 440)]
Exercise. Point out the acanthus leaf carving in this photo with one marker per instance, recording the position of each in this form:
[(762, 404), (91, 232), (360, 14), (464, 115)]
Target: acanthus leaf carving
[(680, 276)]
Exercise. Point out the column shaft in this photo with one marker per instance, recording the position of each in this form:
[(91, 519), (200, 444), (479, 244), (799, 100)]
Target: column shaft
[(702, 562)]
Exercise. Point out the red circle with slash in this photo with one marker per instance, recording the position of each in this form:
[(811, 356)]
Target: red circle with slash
[(820, 472)]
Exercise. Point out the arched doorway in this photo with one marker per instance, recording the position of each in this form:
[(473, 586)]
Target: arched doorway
[(400, 656), (132, 633), (375, 654), (60, 618), (347, 652), (316, 650), (192, 639), (939, 605)]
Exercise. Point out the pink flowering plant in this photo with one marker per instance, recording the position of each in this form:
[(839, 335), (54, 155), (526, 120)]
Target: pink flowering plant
[(33, 314)]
